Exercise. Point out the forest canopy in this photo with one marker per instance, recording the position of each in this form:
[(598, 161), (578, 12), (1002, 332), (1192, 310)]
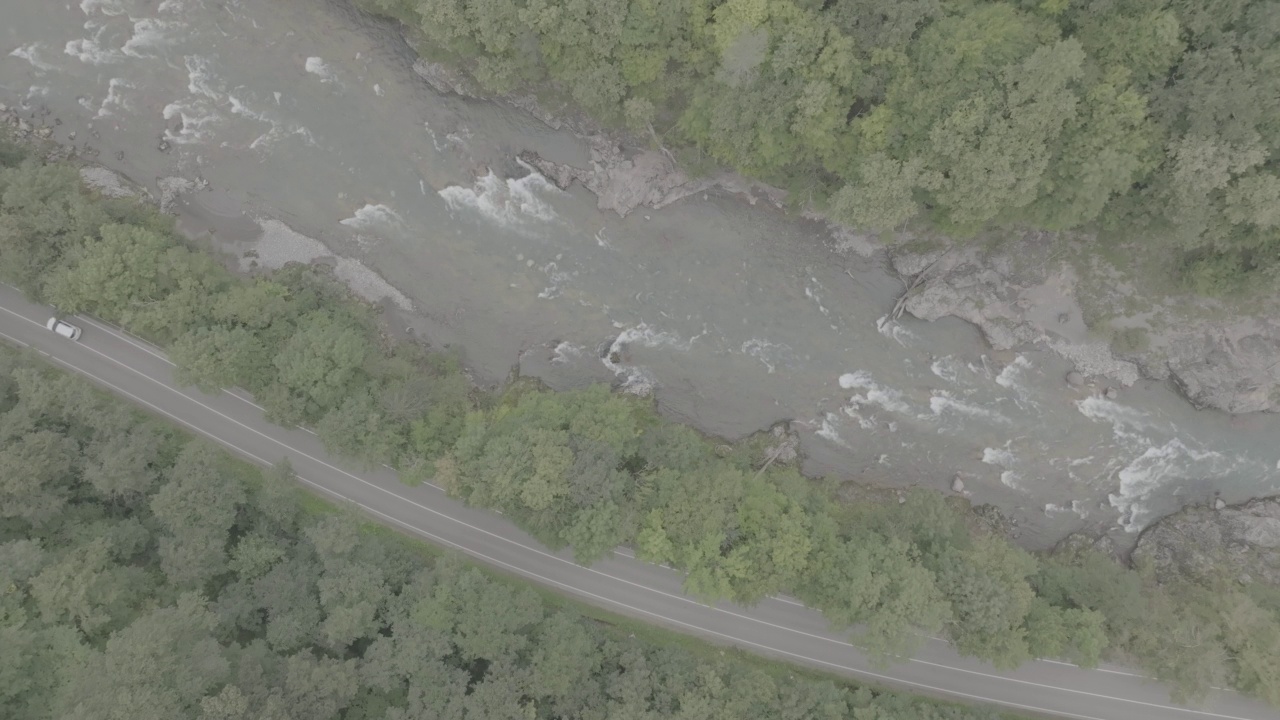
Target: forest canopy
[(149, 576), (1148, 120), (588, 469)]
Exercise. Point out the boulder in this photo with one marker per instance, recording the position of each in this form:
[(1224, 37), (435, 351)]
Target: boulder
[(1075, 379), (1085, 540), (1223, 541)]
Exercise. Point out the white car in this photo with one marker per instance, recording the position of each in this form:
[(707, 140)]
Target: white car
[(63, 328)]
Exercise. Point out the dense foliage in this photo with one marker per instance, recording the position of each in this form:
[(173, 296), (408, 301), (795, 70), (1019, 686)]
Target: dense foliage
[(587, 469), (1155, 119), (147, 576)]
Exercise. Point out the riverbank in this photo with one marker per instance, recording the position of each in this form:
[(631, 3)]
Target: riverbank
[(301, 130), (1115, 317), (608, 470)]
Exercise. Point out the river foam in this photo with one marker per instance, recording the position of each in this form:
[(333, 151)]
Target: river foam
[(511, 203), (637, 379), (373, 217), (1010, 376), (150, 38), (770, 354), (1157, 467), (106, 7), (115, 100), (90, 51), (944, 403), (318, 67), (31, 53), (875, 393)]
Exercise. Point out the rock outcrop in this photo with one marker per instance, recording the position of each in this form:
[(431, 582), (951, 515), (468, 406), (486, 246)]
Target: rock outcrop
[(981, 290), (623, 182), (1232, 366), (1228, 361), (1239, 542), (444, 79)]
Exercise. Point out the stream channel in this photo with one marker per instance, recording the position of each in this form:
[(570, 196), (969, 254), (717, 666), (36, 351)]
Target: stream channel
[(297, 130)]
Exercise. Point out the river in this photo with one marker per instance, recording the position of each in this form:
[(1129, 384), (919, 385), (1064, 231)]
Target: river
[(311, 137)]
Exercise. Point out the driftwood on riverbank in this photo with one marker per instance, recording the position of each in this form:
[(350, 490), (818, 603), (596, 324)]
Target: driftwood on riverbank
[(908, 288)]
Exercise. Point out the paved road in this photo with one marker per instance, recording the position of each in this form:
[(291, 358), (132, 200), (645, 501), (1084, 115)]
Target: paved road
[(776, 627)]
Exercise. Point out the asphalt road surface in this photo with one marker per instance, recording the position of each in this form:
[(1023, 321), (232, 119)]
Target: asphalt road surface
[(777, 627)]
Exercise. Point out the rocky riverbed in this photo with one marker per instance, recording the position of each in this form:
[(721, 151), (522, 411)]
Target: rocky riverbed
[(1217, 541), (1023, 292), (1217, 356), (297, 130)]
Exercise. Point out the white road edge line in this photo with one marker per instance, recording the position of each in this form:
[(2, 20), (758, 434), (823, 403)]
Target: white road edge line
[(545, 580), (653, 590), (603, 574), (236, 393)]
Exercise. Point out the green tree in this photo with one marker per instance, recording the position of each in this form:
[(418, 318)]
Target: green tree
[(126, 267), (876, 583), (352, 596), (990, 598), (564, 655), (88, 590), (885, 196), (318, 688), (160, 667), (290, 604), (36, 476), (33, 666), (212, 358), (125, 466), (198, 507), (359, 428), (44, 214), (322, 360), (485, 619)]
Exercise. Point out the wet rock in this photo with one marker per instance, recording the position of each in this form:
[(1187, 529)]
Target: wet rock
[(1205, 543), (59, 153), (1111, 393), (623, 182), (443, 79), (107, 182), (171, 188), (785, 451), (957, 484), (996, 522), (1080, 541), (1075, 379), (1229, 368), (1228, 365), (163, 145), (970, 285), (44, 133), (1219, 504), (529, 103)]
